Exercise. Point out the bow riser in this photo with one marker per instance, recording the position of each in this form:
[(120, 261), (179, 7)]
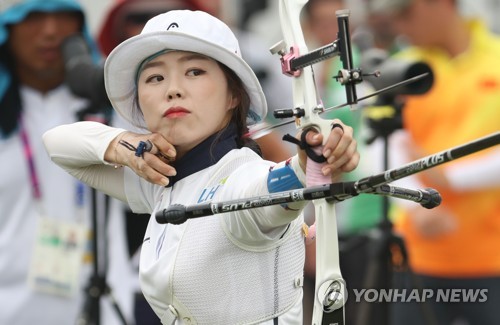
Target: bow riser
[(304, 87), (329, 286)]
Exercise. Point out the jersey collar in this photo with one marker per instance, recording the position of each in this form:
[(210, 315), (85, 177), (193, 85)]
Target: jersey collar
[(206, 154)]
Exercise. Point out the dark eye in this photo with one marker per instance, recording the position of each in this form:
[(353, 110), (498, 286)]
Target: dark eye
[(155, 78), (195, 72)]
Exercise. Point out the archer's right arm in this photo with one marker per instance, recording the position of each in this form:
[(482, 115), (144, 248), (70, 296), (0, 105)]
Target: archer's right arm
[(79, 148)]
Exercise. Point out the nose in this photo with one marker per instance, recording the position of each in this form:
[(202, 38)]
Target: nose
[(174, 90), (50, 24), (173, 94)]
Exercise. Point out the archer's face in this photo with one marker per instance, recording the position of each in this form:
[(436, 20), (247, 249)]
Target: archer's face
[(185, 97)]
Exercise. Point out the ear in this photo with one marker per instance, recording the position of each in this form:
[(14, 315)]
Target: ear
[(234, 101)]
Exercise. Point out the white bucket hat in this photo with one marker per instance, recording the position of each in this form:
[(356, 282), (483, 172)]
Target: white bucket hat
[(185, 30)]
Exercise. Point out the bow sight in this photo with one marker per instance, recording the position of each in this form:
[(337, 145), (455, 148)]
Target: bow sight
[(292, 63)]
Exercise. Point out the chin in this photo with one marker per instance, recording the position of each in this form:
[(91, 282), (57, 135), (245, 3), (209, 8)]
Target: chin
[(178, 137)]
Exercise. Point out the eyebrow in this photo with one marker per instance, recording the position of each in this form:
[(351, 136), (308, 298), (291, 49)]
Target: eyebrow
[(152, 64), (184, 58), (194, 56)]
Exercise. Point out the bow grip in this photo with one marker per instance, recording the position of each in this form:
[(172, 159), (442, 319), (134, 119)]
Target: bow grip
[(316, 160), (313, 153), (315, 122)]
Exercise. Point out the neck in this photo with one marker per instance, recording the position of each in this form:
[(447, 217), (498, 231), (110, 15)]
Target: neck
[(225, 128), (43, 82), (205, 154), (457, 37)]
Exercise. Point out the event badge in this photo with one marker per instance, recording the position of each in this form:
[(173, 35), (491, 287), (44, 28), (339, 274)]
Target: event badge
[(58, 256)]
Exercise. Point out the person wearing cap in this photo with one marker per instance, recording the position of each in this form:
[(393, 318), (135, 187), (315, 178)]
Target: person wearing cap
[(183, 79), (453, 246), (45, 214), (126, 18)]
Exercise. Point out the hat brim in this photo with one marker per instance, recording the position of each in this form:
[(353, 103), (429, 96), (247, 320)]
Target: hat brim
[(121, 68)]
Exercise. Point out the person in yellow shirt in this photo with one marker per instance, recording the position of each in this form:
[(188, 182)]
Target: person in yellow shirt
[(456, 245)]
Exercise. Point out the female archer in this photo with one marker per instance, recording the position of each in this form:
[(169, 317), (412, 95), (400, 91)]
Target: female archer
[(184, 81)]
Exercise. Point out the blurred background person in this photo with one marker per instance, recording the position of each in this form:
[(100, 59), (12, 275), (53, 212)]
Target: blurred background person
[(377, 31), (45, 234), (126, 18), (453, 246)]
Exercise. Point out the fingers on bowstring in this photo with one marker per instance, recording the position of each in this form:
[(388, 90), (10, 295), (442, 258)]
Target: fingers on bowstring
[(162, 148), (160, 165), (156, 154), (154, 170)]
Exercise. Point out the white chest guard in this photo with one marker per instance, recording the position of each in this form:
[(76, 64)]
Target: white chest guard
[(209, 277), (213, 276)]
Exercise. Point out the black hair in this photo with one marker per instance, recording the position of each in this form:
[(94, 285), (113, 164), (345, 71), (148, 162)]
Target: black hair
[(240, 112), (10, 100)]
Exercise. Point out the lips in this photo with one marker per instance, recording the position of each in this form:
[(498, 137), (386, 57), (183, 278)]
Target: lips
[(50, 53), (175, 112)]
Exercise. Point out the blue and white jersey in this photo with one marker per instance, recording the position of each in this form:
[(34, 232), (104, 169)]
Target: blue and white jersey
[(200, 270)]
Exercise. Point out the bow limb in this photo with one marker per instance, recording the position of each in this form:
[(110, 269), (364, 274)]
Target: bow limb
[(329, 286)]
